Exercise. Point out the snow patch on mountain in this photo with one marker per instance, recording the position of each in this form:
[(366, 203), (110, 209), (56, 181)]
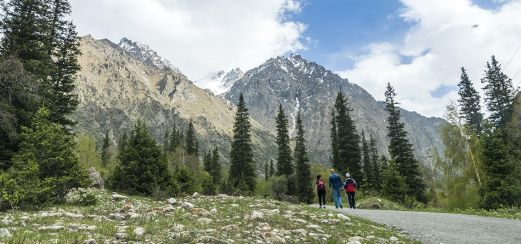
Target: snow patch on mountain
[(294, 117), (220, 82), (144, 53)]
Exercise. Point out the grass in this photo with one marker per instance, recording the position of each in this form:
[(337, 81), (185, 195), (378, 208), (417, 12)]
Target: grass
[(234, 220)]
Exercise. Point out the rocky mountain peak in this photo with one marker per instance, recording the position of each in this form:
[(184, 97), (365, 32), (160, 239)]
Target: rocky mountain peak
[(145, 54), (220, 82)]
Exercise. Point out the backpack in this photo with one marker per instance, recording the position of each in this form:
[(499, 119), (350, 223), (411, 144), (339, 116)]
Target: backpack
[(350, 186), (321, 185)]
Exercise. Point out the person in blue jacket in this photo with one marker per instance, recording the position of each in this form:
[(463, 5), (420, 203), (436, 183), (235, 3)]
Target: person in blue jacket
[(335, 183)]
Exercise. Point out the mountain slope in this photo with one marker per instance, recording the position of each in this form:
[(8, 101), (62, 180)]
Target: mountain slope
[(220, 82), (300, 85), (119, 84)]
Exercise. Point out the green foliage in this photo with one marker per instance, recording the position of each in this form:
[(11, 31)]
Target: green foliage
[(394, 186), (400, 149), (335, 160), (105, 155), (191, 143), (303, 172), (46, 167), (284, 160), (348, 141), (185, 180), (213, 167), (368, 181), (499, 93), (143, 167), (82, 197), (469, 102), (242, 171), (376, 166)]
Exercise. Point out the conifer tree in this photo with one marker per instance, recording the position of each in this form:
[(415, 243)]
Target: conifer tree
[(394, 184), (272, 168), (499, 93), (368, 179), (105, 149), (335, 160), (375, 164), (207, 162), (266, 171), (191, 144), (400, 149), (349, 154), (166, 141), (469, 102), (304, 178), (284, 161), (216, 168), (143, 166), (123, 141), (242, 170), (175, 139)]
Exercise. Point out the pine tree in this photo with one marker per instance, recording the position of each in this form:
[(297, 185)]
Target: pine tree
[(191, 144), (304, 178), (105, 150), (499, 93), (123, 141), (266, 172), (400, 149), (349, 154), (216, 168), (375, 164), (334, 141), (143, 166), (175, 139), (469, 102), (368, 179), (207, 162), (394, 184), (242, 171), (284, 161), (272, 168)]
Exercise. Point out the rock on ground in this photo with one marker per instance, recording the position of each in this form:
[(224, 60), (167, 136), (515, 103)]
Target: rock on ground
[(95, 178), (171, 201), (4, 233), (139, 231), (187, 205)]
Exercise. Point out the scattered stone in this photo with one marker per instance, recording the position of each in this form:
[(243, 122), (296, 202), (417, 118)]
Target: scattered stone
[(300, 231), (118, 216), (300, 221), (120, 236), (118, 197), (178, 227), (343, 217), (256, 215), (213, 211), (195, 195), (273, 212), (171, 201), (315, 227), (169, 208), (139, 232), (199, 211), (354, 242), (222, 195), (90, 241), (230, 227), (134, 215), (356, 238), (204, 221), (95, 178), (234, 205), (52, 227), (393, 238), (4, 233), (187, 205)]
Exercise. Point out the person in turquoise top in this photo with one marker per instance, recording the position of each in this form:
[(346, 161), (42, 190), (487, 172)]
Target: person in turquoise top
[(335, 183)]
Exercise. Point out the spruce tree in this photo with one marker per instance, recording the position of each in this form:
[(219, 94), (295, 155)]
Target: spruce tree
[(335, 160), (284, 161), (394, 184), (349, 154), (242, 170), (375, 164), (272, 168), (400, 149), (304, 178), (266, 171), (368, 179), (191, 144), (216, 168), (499, 93), (123, 141), (469, 102), (143, 166), (105, 150), (175, 139)]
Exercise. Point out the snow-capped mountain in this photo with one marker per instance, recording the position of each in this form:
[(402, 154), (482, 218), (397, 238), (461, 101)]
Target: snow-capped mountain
[(145, 54), (220, 82)]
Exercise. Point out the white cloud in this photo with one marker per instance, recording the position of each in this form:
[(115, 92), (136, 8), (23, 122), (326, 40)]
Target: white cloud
[(197, 36), (446, 35)]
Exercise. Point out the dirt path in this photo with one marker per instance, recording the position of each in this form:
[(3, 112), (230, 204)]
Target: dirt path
[(444, 227)]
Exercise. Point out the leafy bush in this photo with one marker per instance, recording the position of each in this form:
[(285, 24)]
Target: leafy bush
[(82, 197)]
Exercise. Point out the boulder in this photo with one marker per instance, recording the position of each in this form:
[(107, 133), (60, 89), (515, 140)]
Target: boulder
[(204, 221), (95, 178), (343, 217), (90, 241), (118, 197), (195, 195), (171, 201), (4, 233), (139, 232), (187, 205), (256, 215), (393, 238)]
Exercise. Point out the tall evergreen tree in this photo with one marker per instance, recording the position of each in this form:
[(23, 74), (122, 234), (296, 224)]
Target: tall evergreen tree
[(266, 171), (335, 160), (469, 102), (123, 141), (216, 168), (349, 154), (284, 164), (394, 184), (105, 149), (375, 164), (143, 166), (304, 178), (272, 168), (191, 144), (242, 170), (368, 179), (499, 93), (400, 149)]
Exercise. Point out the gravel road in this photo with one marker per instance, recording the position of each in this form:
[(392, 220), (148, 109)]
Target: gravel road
[(445, 228)]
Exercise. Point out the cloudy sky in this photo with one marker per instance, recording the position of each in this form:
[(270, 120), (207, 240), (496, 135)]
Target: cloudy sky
[(417, 45)]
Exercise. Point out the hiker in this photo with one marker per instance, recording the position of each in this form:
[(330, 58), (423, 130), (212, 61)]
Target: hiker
[(321, 191), (350, 187), (336, 184)]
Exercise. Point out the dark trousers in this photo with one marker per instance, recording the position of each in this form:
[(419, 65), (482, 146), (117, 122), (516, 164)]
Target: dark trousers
[(351, 199), (322, 197)]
